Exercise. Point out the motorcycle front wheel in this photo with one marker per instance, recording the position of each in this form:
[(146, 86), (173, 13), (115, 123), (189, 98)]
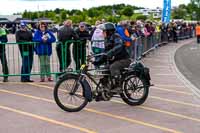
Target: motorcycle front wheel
[(64, 96)]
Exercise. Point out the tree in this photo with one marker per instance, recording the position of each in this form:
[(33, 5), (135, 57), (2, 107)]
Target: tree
[(25, 14), (196, 5), (122, 11), (57, 11), (63, 15), (93, 12), (34, 15), (197, 2), (179, 13), (141, 17), (127, 11)]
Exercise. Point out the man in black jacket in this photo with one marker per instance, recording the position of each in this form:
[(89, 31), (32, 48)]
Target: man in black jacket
[(3, 39), (116, 51), (26, 51), (79, 49), (66, 33)]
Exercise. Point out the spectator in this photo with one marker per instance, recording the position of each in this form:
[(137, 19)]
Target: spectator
[(79, 49), (98, 40), (103, 21), (13, 29), (26, 51), (138, 46), (3, 40), (147, 30), (96, 24), (164, 32), (174, 32), (198, 32), (65, 34), (43, 49), (122, 30), (152, 29)]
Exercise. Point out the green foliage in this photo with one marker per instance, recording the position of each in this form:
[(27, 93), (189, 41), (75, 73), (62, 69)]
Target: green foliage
[(127, 11), (195, 8), (25, 14), (92, 12), (179, 13), (196, 2), (63, 15), (141, 17), (112, 13), (188, 12)]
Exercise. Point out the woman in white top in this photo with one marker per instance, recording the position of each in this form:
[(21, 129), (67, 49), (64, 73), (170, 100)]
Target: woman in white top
[(98, 40)]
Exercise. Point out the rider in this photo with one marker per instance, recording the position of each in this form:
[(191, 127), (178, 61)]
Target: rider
[(115, 50)]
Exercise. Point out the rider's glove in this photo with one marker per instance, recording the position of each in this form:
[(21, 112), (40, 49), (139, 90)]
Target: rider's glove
[(100, 60)]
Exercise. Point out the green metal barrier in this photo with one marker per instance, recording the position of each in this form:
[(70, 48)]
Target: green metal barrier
[(17, 54), (71, 54), (62, 56), (65, 55)]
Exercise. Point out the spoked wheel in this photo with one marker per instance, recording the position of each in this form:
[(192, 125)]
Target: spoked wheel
[(135, 90), (64, 96)]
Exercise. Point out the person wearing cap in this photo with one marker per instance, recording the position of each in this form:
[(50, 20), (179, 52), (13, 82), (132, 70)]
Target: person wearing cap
[(79, 49), (23, 38), (3, 40), (43, 49)]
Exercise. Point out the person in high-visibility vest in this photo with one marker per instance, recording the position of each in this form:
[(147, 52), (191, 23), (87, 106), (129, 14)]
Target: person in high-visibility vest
[(122, 30), (198, 32), (3, 40)]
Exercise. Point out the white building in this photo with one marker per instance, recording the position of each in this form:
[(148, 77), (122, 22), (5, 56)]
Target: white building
[(157, 13), (11, 18)]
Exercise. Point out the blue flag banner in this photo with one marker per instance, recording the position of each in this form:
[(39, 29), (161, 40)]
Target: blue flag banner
[(166, 14)]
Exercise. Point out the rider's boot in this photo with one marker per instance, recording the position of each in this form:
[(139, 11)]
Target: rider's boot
[(104, 82), (117, 88), (99, 98)]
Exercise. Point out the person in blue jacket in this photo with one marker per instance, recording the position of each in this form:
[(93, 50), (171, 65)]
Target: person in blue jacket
[(122, 30), (43, 49)]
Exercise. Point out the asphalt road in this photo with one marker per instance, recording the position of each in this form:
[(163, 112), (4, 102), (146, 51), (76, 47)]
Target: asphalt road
[(170, 108), (187, 59)]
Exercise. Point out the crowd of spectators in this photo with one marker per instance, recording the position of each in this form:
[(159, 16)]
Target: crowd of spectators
[(129, 31)]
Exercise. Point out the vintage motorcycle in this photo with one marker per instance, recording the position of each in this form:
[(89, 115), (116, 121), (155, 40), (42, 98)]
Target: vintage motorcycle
[(74, 90)]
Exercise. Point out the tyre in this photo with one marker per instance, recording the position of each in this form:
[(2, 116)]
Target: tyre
[(135, 90), (66, 100)]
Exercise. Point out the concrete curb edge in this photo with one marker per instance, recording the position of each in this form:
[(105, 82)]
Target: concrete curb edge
[(186, 82)]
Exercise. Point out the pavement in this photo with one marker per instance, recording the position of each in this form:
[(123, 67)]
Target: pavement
[(173, 105), (187, 59)]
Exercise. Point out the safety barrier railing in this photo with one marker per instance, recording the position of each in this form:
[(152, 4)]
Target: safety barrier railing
[(64, 55), (21, 58), (143, 45), (185, 33)]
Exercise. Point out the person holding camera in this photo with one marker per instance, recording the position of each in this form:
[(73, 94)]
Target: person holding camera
[(43, 48)]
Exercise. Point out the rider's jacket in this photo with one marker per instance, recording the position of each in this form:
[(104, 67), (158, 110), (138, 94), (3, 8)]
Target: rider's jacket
[(115, 49)]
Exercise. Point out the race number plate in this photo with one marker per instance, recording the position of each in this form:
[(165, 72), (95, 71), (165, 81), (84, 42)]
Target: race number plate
[(82, 66)]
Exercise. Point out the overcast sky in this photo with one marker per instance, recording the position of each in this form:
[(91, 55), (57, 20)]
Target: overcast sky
[(8, 7)]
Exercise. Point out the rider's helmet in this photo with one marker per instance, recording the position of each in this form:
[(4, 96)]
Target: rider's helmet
[(109, 28)]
